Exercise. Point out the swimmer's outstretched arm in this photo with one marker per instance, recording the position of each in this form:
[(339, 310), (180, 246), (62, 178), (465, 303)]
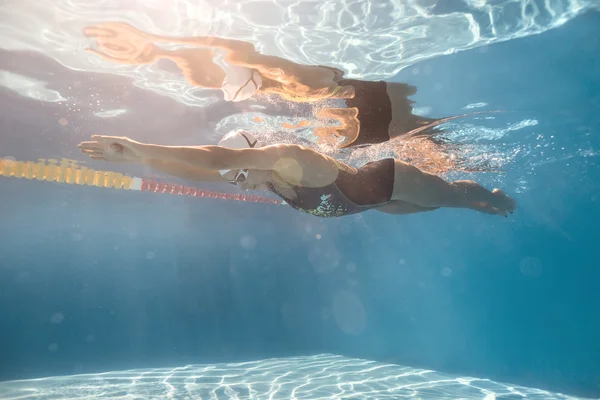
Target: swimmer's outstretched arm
[(120, 35), (116, 30), (293, 163), (213, 158), (207, 41), (122, 43)]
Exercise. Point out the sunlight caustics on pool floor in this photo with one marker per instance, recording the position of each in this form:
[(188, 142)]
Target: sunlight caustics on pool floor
[(323, 376)]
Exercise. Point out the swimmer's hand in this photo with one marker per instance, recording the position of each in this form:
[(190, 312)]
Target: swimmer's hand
[(112, 149), (122, 43)]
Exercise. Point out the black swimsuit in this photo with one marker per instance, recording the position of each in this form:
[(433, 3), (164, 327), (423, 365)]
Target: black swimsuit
[(374, 110), (371, 187), (374, 106)]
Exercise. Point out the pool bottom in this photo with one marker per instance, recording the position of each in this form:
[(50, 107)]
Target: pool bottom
[(323, 376)]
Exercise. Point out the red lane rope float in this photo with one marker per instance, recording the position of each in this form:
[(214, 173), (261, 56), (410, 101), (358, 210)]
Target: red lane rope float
[(147, 185), (67, 171)]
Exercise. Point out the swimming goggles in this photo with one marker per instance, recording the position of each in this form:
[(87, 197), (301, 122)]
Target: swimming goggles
[(240, 177)]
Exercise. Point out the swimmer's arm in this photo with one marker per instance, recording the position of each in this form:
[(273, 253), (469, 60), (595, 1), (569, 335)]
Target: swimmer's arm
[(184, 171), (293, 163), (244, 54), (263, 63), (208, 41), (215, 158)]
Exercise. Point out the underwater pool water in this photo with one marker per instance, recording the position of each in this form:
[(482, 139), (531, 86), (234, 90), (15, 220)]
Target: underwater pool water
[(120, 281)]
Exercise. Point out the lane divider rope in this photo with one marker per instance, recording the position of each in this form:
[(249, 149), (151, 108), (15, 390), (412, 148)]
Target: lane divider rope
[(69, 172)]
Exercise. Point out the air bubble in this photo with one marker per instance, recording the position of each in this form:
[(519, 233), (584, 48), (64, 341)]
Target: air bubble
[(349, 313), (57, 318), (248, 242), (531, 266)]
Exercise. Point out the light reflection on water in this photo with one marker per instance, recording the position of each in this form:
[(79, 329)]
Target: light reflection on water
[(370, 40)]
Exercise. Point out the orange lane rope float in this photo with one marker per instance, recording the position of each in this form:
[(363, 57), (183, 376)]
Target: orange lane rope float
[(69, 172)]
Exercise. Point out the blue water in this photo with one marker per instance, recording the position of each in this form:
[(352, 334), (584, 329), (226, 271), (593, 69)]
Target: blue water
[(95, 280)]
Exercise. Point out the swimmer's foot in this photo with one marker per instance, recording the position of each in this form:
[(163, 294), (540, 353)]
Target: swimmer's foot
[(504, 202), (499, 204)]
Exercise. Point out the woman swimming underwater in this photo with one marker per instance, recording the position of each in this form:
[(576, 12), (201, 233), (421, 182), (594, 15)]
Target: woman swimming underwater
[(305, 179)]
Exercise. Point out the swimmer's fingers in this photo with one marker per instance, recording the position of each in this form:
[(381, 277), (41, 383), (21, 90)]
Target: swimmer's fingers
[(111, 30), (99, 150), (97, 31), (89, 143), (487, 208), (90, 151), (500, 212), (92, 146), (493, 211), (497, 211), (94, 154), (104, 143)]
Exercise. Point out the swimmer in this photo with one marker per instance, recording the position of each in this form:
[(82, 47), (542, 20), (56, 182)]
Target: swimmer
[(374, 112), (305, 179)]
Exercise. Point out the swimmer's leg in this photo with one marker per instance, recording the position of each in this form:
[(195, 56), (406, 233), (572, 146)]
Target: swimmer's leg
[(423, 189), (398, 207)]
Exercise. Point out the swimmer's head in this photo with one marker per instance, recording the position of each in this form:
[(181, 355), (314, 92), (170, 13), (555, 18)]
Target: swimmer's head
[(245, 178)]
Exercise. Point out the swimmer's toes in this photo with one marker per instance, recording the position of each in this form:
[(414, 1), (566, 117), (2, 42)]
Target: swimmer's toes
[(504, 202)]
